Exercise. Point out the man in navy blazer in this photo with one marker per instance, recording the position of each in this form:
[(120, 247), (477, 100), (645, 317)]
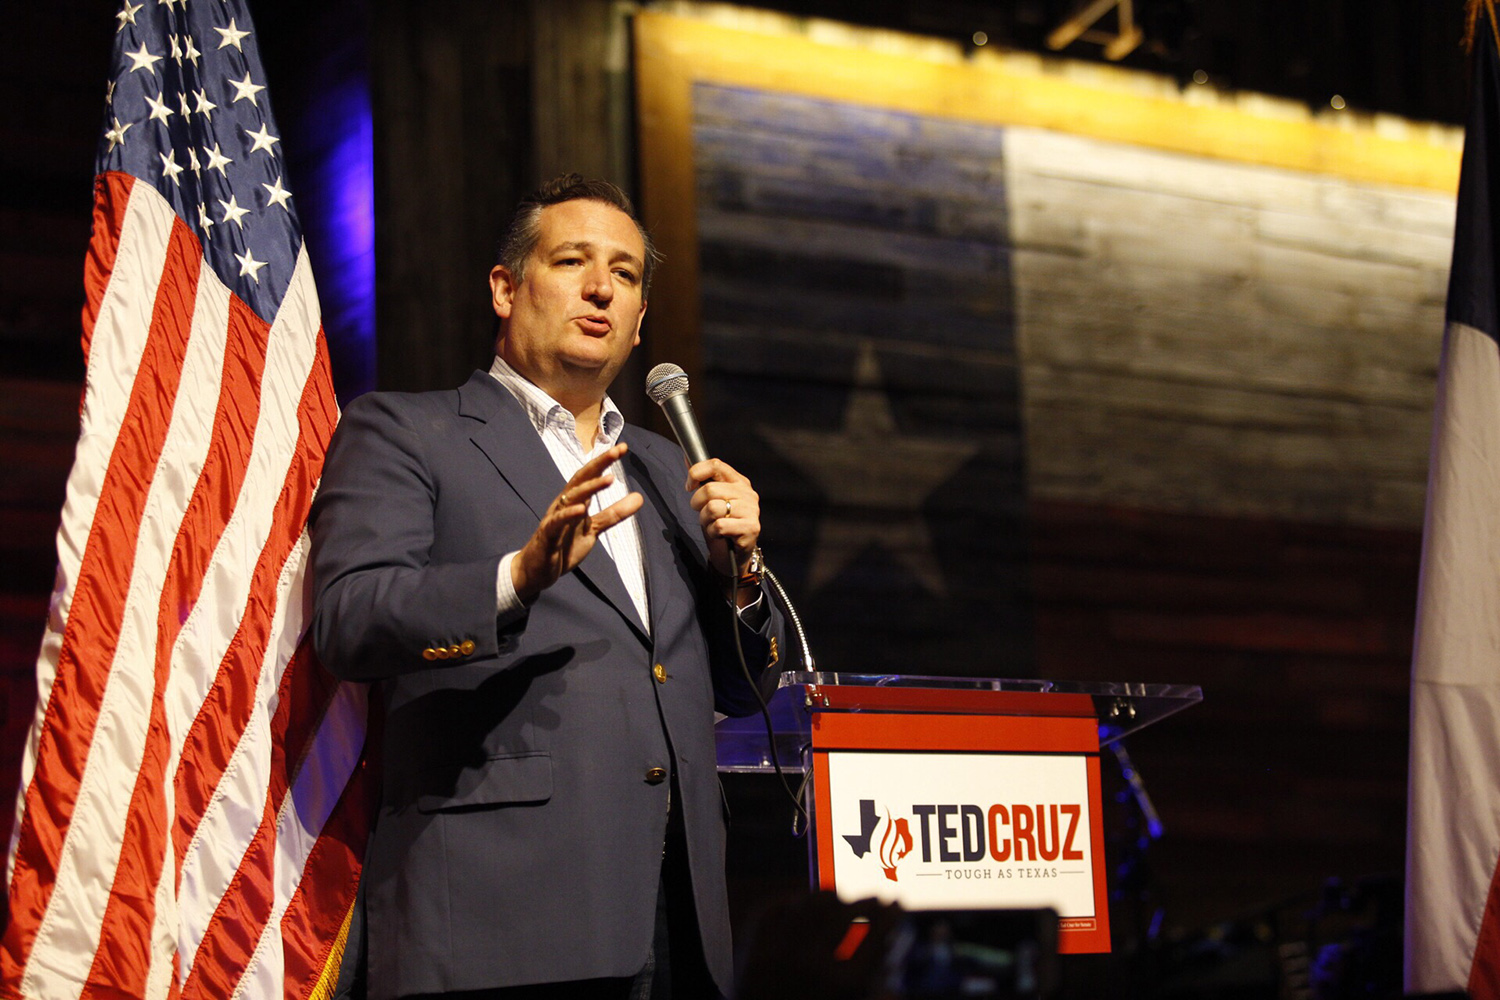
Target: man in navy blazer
[(550, 614)]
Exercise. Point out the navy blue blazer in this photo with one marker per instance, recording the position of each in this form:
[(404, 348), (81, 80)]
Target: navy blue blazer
[(519, 836)]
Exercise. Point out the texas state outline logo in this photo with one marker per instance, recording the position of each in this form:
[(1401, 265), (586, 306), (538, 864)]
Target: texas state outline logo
[(895, 840)]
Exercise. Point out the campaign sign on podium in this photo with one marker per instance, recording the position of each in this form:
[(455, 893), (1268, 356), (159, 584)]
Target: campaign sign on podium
[(964, 831), (946, 793), (964, 812)]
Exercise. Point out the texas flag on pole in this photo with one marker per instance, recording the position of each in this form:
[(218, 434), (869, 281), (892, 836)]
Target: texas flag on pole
[(1453, 822), (193, 794)]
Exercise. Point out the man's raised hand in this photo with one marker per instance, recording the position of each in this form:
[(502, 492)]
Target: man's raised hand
[(567, 533)]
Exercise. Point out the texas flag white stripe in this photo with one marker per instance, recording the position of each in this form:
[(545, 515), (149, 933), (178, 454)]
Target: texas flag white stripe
[(1453, 824)]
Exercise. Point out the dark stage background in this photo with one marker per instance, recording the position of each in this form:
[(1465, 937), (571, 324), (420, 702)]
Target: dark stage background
[(1298, 627)]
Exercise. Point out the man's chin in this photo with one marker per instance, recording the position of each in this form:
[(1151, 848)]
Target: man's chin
[(600, 367)]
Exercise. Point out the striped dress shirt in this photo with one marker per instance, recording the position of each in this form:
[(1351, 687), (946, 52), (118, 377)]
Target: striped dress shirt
[(558, 431)]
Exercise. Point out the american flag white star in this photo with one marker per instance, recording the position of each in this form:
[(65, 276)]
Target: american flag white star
[(217, 160), (245, 90), (277, 195), (116, 135), (176, 49), (249, 265), (205, 106), (204, 222), (126, 15), (191, 53), (170, 168), (142, 59), (231, 35), (187, 112), (193, 163), (233, 212), (263, 139), (159, 110)]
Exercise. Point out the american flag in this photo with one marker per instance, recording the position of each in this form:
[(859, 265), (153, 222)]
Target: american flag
[(1453, 803), (193, 794)]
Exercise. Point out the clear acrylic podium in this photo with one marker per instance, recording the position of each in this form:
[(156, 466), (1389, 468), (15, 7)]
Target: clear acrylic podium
[(955, 792)]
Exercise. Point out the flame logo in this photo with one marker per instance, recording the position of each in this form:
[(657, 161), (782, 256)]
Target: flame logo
[(895, 844)]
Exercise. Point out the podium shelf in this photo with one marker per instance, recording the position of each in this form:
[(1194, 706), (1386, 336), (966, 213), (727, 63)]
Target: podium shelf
[(1120, 708)]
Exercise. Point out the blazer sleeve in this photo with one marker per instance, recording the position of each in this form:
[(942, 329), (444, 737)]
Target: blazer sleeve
[(734, 693), (381, 607)]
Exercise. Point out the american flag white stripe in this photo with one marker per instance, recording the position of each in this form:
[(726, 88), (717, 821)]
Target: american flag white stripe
[(121, 329), (91, 852), (216, 618), (225, 831), (307, 807)]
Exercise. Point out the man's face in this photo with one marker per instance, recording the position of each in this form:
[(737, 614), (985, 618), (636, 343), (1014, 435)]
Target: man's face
[(574, 317)]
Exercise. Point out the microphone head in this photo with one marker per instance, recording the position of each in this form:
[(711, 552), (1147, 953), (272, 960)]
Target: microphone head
[(665, 381)]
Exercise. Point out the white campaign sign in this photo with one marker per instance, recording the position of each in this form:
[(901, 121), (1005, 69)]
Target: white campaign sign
[(962, 830)]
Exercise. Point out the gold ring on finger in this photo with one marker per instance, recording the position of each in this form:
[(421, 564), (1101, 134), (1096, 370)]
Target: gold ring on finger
[(728, 507)]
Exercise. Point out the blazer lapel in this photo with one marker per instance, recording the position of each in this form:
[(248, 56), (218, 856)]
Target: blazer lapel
[(507, 438)]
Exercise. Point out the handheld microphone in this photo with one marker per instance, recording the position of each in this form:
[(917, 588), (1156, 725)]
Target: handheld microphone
[(667, 385)]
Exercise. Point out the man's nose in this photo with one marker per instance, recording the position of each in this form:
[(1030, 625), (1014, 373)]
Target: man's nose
[(598, 287)]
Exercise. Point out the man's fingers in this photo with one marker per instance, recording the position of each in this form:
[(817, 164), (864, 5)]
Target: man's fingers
[(595, 466), (712, 469), (582, 492), (617, 512), (711, 491)]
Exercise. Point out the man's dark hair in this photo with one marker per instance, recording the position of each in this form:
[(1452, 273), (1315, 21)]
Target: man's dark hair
[(526, 224)]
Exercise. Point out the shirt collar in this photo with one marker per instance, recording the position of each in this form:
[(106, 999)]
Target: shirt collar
[(543, 411)]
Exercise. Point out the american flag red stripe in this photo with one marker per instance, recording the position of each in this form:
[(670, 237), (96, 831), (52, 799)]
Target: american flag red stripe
[(194, 794), (109, 205), (96, 615), (123, 957)]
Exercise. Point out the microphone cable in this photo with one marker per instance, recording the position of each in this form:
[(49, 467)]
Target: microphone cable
[(798, 798)]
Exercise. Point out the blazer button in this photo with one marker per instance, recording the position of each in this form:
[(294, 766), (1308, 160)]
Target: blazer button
[(660, 673), (775, 653), (466, 647), (656, 776), (455, 652), (429, 653), (442, 652)]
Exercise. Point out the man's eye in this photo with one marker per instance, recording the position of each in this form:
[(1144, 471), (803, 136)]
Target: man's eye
[(626, 275)]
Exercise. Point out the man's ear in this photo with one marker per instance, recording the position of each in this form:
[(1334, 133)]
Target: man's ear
[(502, 290), (638, 321)]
